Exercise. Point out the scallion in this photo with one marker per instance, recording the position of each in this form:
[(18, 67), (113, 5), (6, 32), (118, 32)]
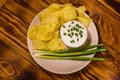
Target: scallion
[(68, 58), (73, 49), (71, 53)]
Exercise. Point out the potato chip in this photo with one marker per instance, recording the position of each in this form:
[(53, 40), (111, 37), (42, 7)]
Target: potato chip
[(54, 43), (81, 11), (68, 12), (45, 32), (62, 15), (67, 4), (43, 14), (61, 45), (32, 32), (52, 19), (61, 22), (39, 44), (52, 9), (58, 44), (85, 21)]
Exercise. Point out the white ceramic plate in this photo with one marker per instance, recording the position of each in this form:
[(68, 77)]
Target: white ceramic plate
[(62, 66)]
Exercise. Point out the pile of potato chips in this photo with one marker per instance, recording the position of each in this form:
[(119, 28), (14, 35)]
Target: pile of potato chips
[(46, 36)]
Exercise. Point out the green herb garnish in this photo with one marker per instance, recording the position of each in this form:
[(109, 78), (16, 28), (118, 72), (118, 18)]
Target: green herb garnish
[(68, 30), (69, 25), (77, 29), (72, 33), (63, 26), (68, 58), (73, 49), (72, 22), (77, 39), (71, 29), (79, 26), (72, 54), (65, 34), (76, 34)]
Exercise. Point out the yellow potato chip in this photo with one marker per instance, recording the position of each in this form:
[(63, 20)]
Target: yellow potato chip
[(52, 9), (52, 19), (45, 32), (61, 22), (67, 4), (85, 21), (61, 15), (32, 32), (44, 14), (54, 43), (81, 11), (39, 44), (61, 45), (68, 12)]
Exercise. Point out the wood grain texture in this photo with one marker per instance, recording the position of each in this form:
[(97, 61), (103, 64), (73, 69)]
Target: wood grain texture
[(17, 64), (2, 2)]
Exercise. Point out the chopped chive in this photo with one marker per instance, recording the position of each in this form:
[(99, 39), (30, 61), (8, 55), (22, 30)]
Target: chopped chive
[(77, 39), (72, 33), (65, 34), (82, 28), (81, 31), (72, 41), (79, 26), (77, 29), (71, 29), (68, 30), (81, 35), (74, 28), (69, 35), (72, 22), (76, 34), (63, 26)]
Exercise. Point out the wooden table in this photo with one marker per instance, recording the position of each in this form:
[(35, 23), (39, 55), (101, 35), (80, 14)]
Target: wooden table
[(16, 62)]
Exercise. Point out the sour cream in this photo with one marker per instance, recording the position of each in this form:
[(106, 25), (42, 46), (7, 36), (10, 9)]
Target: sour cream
[(73, 34)]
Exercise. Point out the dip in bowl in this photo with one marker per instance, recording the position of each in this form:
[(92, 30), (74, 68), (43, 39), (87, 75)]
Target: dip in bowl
[(73, 34)]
